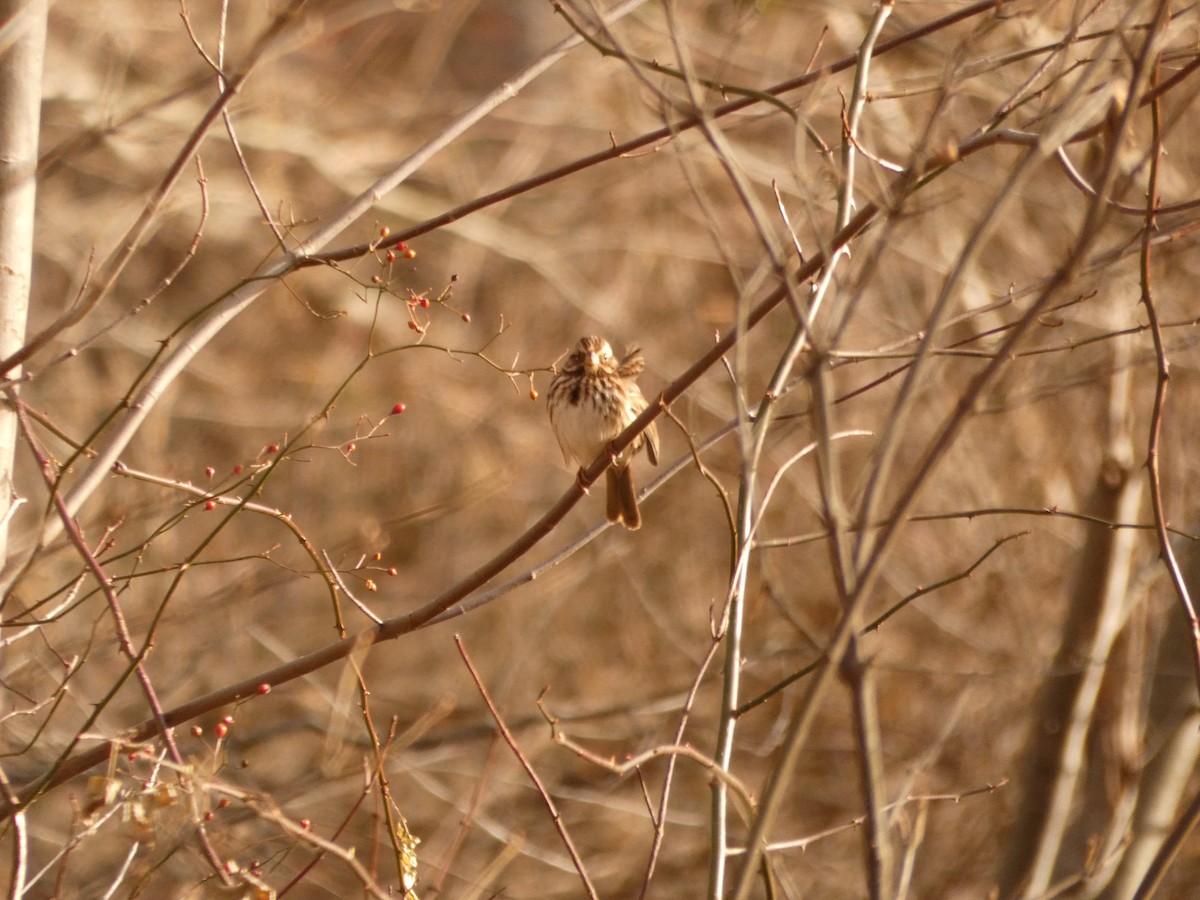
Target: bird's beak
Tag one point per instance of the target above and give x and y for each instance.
(591, 362)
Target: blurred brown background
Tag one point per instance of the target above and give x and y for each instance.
(657, 249)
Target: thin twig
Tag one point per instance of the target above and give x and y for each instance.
(969, 514)
(876, 841)
(660, 817)
(1169, 851)
(1163, 371)
(559, 824)
(804, 842)
(945, 582)
(635, 762)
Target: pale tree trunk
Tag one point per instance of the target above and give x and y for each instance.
(22, 47)
(1044, 846)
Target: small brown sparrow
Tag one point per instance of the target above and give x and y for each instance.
(593, 399)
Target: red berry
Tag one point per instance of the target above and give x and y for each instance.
(273, 448)
(533, 394)
(466, 317)
(197, 731)
(390, 256)
(306, 824)
(237, 470)
(210, 504)
(222, 729)
(392, 570)
(410, 253)
(351, 447)
(424, 303)
(264, 688)
(209, 471)
(228, 720)
(384, 231)
(209, 815)
(398, 408)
